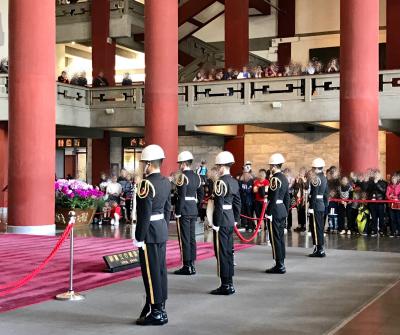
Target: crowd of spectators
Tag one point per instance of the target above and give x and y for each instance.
(342, 215)
(313, 67)
(80, 79)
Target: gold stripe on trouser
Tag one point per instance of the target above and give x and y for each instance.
(146, 257)
(217, 245)
(178, 226)
(315, 229)
(272, 239)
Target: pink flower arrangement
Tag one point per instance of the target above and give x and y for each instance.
(76, 194)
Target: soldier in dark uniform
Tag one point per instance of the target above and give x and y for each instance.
(190, 195)
(153, 213)
(277, 212)
(226, 215)
(319, 194)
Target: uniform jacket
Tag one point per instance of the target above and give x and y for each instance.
(154, 197)
(190, 186)
(226, 194)
(278, 196)
(319, 193)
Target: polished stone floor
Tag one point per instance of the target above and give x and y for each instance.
(355, 290)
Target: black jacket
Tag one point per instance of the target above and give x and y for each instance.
(319, 193)
(376, 191)
(190, 194)
(278, 196)
(154, 197)
(227, 202)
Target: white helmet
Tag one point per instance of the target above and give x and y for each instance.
(152, 152)
(276, 159)
(185, 156)
(224, 157)
(318, 163)
(247, 163)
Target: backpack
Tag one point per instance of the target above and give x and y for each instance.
(362, 218)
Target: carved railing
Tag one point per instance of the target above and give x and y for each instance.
(247, 91)
(81, 11)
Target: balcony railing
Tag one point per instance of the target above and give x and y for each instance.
(247, 91)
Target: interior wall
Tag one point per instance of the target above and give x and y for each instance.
(299, 149)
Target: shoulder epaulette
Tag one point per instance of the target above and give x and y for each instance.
(275, 183)
(220, 188)
(144, 189)
(182, 179)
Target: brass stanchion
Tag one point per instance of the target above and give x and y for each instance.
(71, 295)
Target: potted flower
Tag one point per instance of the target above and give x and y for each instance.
(79, 196)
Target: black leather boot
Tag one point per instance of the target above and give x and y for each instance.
(279, 268)
(155, 318)
(319, 253)
(192, 268)
(145, 311)
(185, 270)
(314, 252)
(164, 311)
(226, 287)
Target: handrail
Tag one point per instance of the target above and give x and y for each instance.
(304, 88)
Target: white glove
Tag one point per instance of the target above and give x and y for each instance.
(215, 228)
(311, 211)
(177, 216)
(269, 217)
(236, 224)
(138, 244)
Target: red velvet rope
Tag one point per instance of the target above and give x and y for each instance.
(365, 201)
(10, 287)
(260, 221)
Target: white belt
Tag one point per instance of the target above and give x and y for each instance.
(279, 202)
(226, 207)
(320, 196)
(156, 217)
(190, 199)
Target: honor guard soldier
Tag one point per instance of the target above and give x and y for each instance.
(319, 194)
(226, 215)
(190, 195)
(153, 213)
(277, 212)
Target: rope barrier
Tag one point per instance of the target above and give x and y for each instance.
(365, 201)
(10, 287)
(260, 221)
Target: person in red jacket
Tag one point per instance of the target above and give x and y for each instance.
(260, 190)
(115, 213)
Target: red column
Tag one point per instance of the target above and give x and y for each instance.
(359, 68)
(392, 34)
(236, 146)
(103, 53)
(100, 157)
(392, 153)
(236, 33)
(286, 28)
(161, 85)
(3, 163)
(32, 111)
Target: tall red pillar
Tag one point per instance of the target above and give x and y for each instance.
(32, 111)
(392, 34)
(236, 33)
(100, 157)
(359, 68)
(103, 48)
(161, 84)
(3, 163)
(286, 28)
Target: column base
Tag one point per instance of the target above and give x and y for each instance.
(33, 230)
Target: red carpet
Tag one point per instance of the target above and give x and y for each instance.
(20, 254)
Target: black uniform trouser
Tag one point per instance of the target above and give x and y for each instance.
(154, 272)
(276, 230)
(187, 237)
(378, 215)
(317, 223)
(223, 248)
